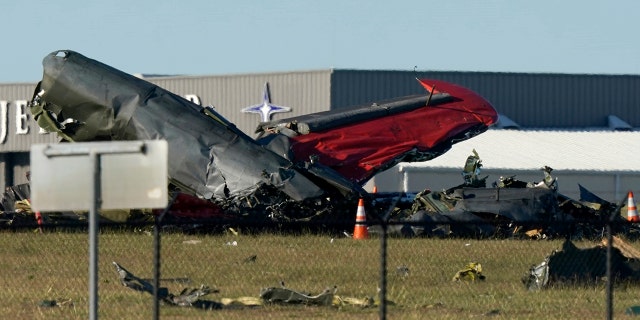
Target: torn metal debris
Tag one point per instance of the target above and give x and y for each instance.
(298, 169)
(289, 296)
(471, 272)
(188, 297)
(577, 266)
(192, 297)
(509, 208)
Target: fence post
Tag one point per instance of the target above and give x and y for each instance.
(383, 271)
(609, 283)
(156, 268)
(96, 204)
(157, 223)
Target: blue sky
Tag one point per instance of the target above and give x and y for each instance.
(241, 36)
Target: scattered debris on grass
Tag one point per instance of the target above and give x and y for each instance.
(574, 266)
(289, 296)
(188, 297)
(471, 272)
(192, 297)
(56, 303)
(402, 271)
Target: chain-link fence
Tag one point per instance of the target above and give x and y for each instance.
(223, 270)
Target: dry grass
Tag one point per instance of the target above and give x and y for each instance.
(37, 267)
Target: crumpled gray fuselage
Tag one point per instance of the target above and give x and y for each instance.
(207, 155)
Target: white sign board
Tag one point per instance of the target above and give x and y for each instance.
(132, 174)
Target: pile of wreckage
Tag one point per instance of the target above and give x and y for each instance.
(572, 266)
(305, 169)
(509, 208)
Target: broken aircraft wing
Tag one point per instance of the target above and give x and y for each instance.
(360, 141)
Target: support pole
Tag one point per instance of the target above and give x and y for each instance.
(156, 267)
(609, 272)
(383, 271)
(93, 236)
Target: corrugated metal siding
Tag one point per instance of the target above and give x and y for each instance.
(20, 165)
(11, 93)
(303, 92)
(555, 100)
(355, 87)
(14, 91)
(531, 100)
(5, 176)
(13, 168)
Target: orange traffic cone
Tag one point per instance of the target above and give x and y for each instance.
(375, 189)
(632, 212)
(360, 231)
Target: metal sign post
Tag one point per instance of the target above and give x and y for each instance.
(141, 164)
(93, 236)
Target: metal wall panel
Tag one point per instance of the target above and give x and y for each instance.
(20, 165)
(355, 87)
(303, 92)
(4, 173)
(531, 100)
(13, 168)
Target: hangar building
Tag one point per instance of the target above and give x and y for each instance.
(584, 126)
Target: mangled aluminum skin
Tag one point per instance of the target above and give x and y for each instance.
(211, 158)
(320, 160)
(509, 208)
(573, 266)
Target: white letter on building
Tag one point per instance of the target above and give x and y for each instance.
(22, 118)
(3, 121)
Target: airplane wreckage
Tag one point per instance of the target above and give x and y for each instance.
(305, 168)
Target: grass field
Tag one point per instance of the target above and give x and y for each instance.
(54, 266)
